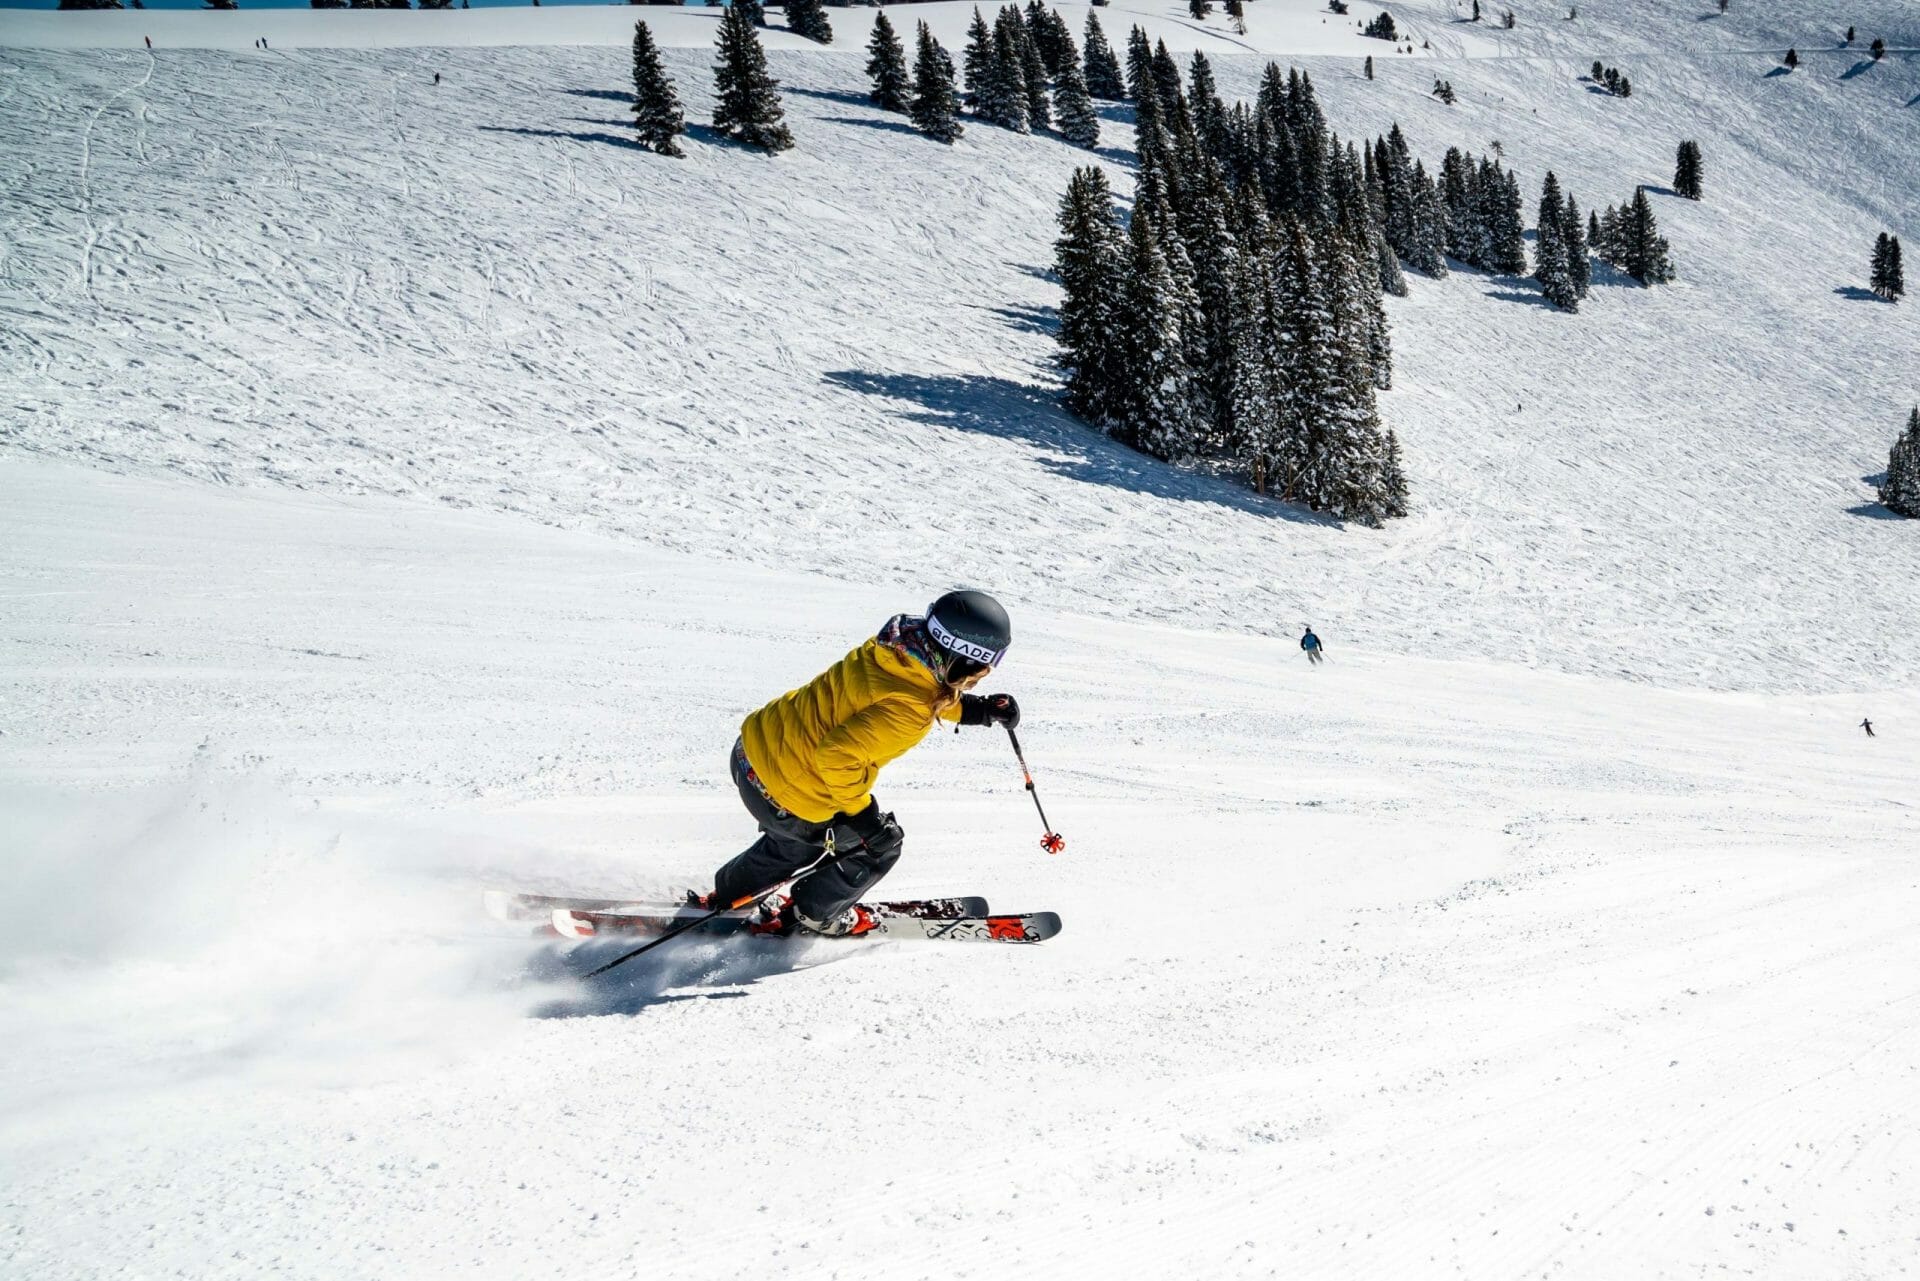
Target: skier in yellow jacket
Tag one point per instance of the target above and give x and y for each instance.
(805, 763)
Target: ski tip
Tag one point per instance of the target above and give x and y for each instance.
(1041, 925)
(572, 925)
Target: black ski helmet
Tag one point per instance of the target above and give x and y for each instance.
(970, 630)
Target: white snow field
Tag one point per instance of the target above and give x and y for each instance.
(406, 489)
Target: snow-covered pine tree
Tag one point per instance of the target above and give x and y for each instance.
(1033, 76)
(1429, 254)
(978, 58)
(1395, 161)
(1792, 59)
(1002, 96)
(756, 11)
(1166, 78)
(887, 67)
(1393, 478)
(1237, 13)
(1312, 146)
(1062, 39)
(935, 107)
(1687, 170)
(1209, 113)
(1643, 248)
(1139, 63)
(746, 98)
(1073, 112)
(1259, 394)
(1215, 252)
(1154, 400)
(1199, 9)
(1604, 236)
(1550, 248)
(657, 119)
(1103, 69)
(1573, 234)
(1040, 31)
(808, 18)
(1089, 258)
(1456, 201)
(1900, 492)
(1509, 230)
(1372, 309)
(1346, 476)
(1888, 277)
(1301, 324)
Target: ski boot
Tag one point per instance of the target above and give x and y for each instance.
(853, 921)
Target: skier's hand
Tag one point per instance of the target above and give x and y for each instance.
(992, 709)
(878, 832)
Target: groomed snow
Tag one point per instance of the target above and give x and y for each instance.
(1390, 968)
(407, 489)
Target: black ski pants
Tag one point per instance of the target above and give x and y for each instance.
(788, 843)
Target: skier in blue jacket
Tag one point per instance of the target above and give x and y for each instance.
(1311, 644)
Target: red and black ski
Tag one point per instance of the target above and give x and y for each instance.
(889, 923)
(539, 908)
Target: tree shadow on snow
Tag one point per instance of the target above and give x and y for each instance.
(571, 135)
(605, 95)
(1047, 274)
(687, 969)
(1032, 320)
(1018, 411)
(889, 126)
(1520, 296)
(1914, 101)
(1874, 511)
(1778, 71)
(1854, 293)
(1859, 68)
(844, 96)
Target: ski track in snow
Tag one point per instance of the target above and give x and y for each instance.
(428, 482)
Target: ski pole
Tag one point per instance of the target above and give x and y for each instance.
(1052, 842)
(695, 922)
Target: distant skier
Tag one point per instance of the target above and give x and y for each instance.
(436, 77)
(805, 763)
(1867, 725)
(1311, 644)
(149, 40)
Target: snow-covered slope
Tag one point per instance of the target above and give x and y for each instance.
(1389, 968)
(317, 268)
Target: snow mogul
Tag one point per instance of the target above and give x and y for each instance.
(805, 763)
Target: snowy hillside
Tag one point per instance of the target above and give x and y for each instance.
(317, 268)
(407, 488)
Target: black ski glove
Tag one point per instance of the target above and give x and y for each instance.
(878, 832)
(992, 709)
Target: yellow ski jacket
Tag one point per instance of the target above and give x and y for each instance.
(818, 749)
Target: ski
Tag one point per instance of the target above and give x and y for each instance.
(1025, 927)
(505, 905)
